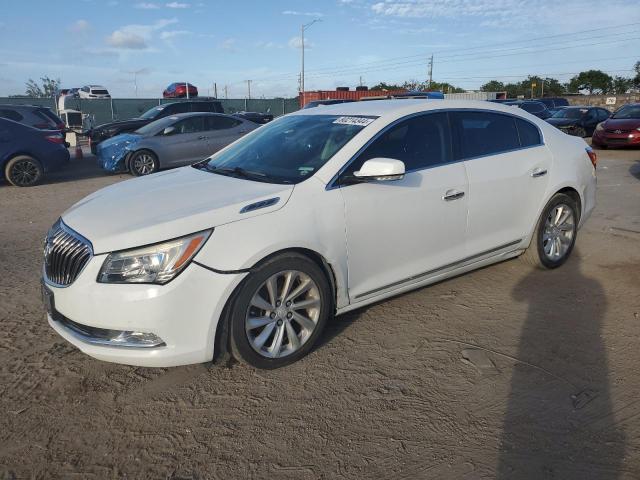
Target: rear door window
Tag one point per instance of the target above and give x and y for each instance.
(483, 133)
(215, 122)
(528, 133)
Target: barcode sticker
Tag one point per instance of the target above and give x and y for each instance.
(361, 121)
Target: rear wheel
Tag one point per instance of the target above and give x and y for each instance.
(555, 233)
(143, 162)
(279, 312)
(23, 171)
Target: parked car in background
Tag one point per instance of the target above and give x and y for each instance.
(554, 110)
(622, 129)
(553, 102)
(255, 117)
(108, 130)
(579, 121)
(171, 142)
(179, 90)
(28, 153)
(330, 101)
(269, 238)
(33, 116)
(532, 106)
(93, 92)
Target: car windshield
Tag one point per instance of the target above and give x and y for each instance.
(152, 113)
(532, 107)
(630, 111)
(288, 150)
(571, 113)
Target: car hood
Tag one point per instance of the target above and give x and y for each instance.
(562, 122)
(167, 205)
(622, 123)
(134, 122)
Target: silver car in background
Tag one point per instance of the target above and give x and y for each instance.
(170, 142)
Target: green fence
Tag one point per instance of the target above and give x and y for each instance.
(103, 111)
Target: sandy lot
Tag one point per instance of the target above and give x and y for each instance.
(502, 373)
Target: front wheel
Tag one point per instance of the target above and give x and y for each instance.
(23, 171)
(143, 163)
(279, 312)
(555, 233)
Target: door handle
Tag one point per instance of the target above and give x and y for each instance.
(452, 195)
(538, 172)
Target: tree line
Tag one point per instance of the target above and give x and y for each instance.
(590, 81)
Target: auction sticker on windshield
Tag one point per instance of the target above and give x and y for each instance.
(361, 121)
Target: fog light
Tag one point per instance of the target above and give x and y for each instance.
(136, 339)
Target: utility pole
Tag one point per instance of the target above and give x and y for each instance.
(542, 91)
(226, 96)
(360, 80)
(303, 27)
(186, 87)
(215, 90)
(249, 89)
(430, 73)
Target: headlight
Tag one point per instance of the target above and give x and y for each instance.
(159, 263)
(599, 127)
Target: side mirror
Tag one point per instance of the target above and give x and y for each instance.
(381, 169)
(169, 131)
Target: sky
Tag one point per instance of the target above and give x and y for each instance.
(119, 44)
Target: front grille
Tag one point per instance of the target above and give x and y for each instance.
(618, 131)
(65, 254)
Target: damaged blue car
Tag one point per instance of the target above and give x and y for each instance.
(170, 142)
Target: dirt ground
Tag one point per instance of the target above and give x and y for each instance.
(502, 373)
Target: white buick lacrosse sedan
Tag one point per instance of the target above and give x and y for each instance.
(317, 213)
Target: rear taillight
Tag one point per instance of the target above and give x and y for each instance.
(55, 139)
(61, 126)
(592, 156)
(42, 126)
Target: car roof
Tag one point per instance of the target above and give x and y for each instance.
(381, 108)
(10, 105)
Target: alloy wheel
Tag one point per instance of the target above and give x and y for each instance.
(144, 164)
(24, 173)
(283, 314)
(559, 229)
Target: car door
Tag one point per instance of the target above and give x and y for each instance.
(223, 130)
(507, 167)
(400, 232)
(186, 144)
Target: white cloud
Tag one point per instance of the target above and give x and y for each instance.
(136, 37)
(147, 6)
(448, 8)
(177, 5)
(229, 45)
(305, 14)
(126, 40)
(268, 44)
(79, 26)
(295, 42)
(173, 33)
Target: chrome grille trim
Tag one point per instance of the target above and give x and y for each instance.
(66, 253)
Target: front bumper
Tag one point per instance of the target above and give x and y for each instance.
(616, 140)
(184, 313)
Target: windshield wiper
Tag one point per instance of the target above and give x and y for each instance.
(240, 172)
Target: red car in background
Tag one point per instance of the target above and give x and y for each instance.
(622, 129)
(179, 90)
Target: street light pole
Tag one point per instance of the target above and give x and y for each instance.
(302, 29)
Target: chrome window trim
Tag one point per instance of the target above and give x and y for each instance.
(333, 182)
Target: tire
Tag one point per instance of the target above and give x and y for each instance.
(143, 162)
(579, 132)
(266, 334)
(23, 171)
(541, 253)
